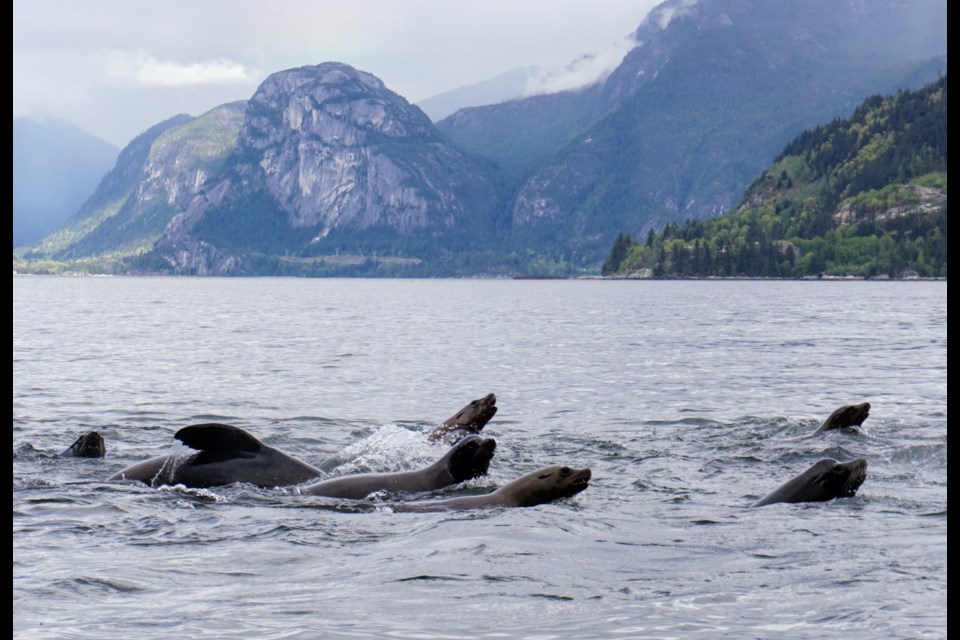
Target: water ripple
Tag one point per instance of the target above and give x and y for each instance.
(687, 400)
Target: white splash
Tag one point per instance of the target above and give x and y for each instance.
(200, 493)
(389, 448)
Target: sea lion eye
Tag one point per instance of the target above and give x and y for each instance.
(565, 471)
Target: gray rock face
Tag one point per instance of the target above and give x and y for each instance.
(182, 160)
(203, 259)
(309, 131)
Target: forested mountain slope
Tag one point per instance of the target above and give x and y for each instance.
(862, 196)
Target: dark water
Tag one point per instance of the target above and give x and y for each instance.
(688, 400)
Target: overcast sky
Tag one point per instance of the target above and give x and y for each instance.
(117, 67)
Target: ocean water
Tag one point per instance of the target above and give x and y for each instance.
(688, 401)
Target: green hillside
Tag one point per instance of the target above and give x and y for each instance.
(865, 196)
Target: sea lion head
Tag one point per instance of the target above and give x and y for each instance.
(471, 419)
(477, 414)
(89, 445)
(548, 484)
(470, 457)
(849, 415)
(839, 479)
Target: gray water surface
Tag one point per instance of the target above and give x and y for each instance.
(688, 400)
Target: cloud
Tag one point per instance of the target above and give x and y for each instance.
(665, 13)
(585, 70)
(144, 70)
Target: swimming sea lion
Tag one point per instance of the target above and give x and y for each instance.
(471, 419)
(89, 445)
(469, 458)
(539, 487)
(849, 415)
(825, 480)
(225, 454)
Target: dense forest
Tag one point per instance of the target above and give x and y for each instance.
(864, 196)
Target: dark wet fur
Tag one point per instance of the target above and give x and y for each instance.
(471, 419)
(89, 445)
(218, 442)
(825, 480)
(473, 459)
(846, 417)
(467, 459)
(542, 486)
(225, 454)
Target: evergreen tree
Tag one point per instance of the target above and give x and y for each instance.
(621, 248)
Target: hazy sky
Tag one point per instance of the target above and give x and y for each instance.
(117, 67)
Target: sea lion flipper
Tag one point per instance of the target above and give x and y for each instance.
(222, 439)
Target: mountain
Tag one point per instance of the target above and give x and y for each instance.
(155, 177)
(521, 134)
(581, 72)
(56, 166)
(322, 164)
(861, 196)
(506, 86)
(709, 96)
(325, 171)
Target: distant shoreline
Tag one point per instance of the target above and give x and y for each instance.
(482, 277)
(804, 279)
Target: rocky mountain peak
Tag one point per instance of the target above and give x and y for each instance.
(327, 158)
(331, 103)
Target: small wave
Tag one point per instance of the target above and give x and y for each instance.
(32, 482)
(552, 596)
(933, 454)
(214, 417)
(95, 585)
(682, 421)
(432, 578)
(203, 494)
(26, 450)
(313, 420)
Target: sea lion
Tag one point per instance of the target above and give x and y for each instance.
(469, 458)
(539, 487)
(225, 454)
(849, 415)
(89, 445)
(825, 480)
(471, 419)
